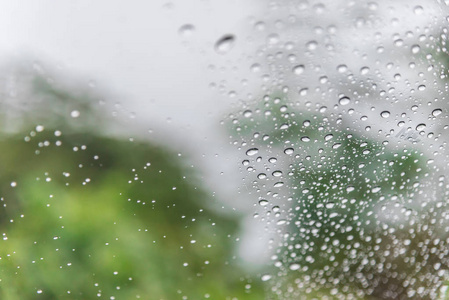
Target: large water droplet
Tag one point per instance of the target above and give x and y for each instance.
(385, 114)
(252, 151)
(299, 69)
(344, 100)
(263, 202)
(436, 112)
(225, 44)
(265, 277)
(421, 126)
(288, 151)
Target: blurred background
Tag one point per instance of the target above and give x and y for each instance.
(224, 150)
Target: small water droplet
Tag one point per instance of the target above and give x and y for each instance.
(385, 114)
(436, 112)
(344, 100)
(288, 151)
(294, 267)
(186, 30)
(75, 114)
(265, 277)
(376, 189)
(263, 202)
(305, 139)
(418, 10)
(298, 70)
(272, 160)
(252, 151)
(247, 113)
(328, 137)
(342, 68)
(281, 222)
(225, 44)
(421, 126)
(364, 70)
(415, 49)
(262, 176)
(312, 45)
(277, 173)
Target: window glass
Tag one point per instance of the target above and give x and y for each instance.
(224, 150)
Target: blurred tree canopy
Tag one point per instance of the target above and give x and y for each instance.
(85, 216)
(348, 209)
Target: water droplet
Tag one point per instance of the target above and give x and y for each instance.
(422, 87)
(277, 173)
(418, 10)
(225, 44)
(376, 189)
(421, 126)
(186, 30)
(39, 291)
(330, 205)
(262, 176)
(436, 112)
(252, 151)
(263, 202)
(350, 189)
(255, 68)
(364, 70)
(75, 114)
(272, 160)
(342, 68)
(385, 114)
(336, 145)
(281, 222)
(299, 69)
(265, 277)
(278, 184)
(415, 49)
(312, 45)
(247, 113)
(305, 139)
(294, 267)
(328, 137)
(288, 151)
(13, 184)
(344, 100)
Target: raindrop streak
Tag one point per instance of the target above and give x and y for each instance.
(252, 151)
(225, 44)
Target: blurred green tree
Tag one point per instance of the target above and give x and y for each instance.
(85, 216)
(347, 208)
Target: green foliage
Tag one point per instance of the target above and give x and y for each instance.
(351, 214)
(89, 217)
